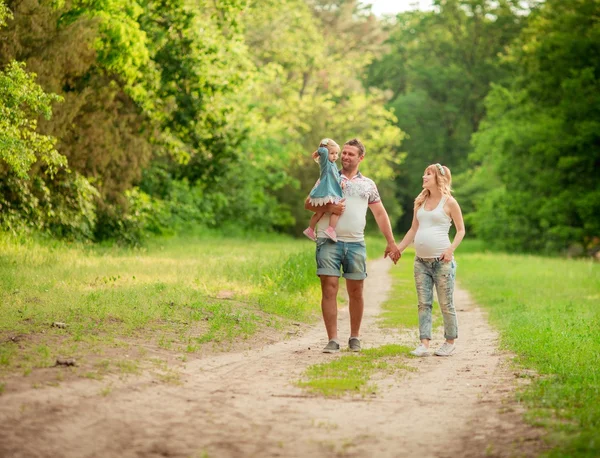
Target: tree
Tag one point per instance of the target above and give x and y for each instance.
(541, 135)
(316, 91)
(30, 165)
(438, 68)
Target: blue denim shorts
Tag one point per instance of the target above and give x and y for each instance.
(351, 257)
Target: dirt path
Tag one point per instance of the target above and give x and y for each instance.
(246, 405)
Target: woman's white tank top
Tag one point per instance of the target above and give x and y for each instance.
(432, 239)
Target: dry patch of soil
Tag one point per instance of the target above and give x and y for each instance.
(245, 404)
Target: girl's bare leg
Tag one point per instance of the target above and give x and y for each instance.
(310, 230)
(315, 219)
(333, 219)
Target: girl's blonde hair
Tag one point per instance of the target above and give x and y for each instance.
(443, 178)
(329, 144)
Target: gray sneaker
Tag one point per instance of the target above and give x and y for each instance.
(421, 350)
(445, 350)
(332, 347)
(354, 344)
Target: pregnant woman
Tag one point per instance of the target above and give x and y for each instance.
(434, 211)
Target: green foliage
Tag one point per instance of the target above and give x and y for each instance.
(318, 93)
(222, 100)
(201, 66)
(62, 206)
(21, 101)
(37, 190)
(121, 47)
(438, 69)
(4, 13)
(540, 136)
(97, 126)
(547, 314)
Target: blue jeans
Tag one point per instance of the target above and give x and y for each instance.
(351, 257)
(430, 272)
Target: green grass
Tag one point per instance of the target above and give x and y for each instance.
(375, 246)
(178, 293)
(353, 373)
(400, 310)
(547, 311)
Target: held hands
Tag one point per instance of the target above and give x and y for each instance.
(447, 255)
(393, 252)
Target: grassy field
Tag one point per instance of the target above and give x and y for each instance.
(178, 294)
(181, 295)
(184, 294)
(548, 313)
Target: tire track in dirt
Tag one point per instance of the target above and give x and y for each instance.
(246, 404)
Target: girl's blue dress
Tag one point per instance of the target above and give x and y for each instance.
(328, 188)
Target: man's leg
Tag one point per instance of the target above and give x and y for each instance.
(329, 290)
(357, 305)
(355, 272)
(329, 255)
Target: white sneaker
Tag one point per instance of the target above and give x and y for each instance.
(421, 350)
(445, 350)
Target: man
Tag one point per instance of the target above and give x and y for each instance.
(349, 252)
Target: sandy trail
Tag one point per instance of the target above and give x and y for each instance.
(246, 405)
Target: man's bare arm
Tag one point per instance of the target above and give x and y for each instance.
(385, 226)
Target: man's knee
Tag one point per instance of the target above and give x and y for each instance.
(329, 286)
(354, 288)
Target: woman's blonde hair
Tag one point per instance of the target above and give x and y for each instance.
(443, 178)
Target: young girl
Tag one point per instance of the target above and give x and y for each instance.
(435, 210)
(328, 188)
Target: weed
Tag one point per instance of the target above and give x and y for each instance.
(352, 373)
(106, 391)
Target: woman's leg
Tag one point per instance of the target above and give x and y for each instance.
(444, 278)
(424, 285)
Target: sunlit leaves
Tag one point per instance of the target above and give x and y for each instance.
(21, 101)
(541, 135)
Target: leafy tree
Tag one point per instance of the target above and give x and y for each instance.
(438, 68)
(91, 54)
(541, 135)
(202, 63)
(316, 91)
(21, 101)
(205, 111)
(30, 166)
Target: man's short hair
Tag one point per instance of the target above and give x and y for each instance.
(356, 142)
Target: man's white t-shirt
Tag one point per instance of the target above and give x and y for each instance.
(359, 193)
